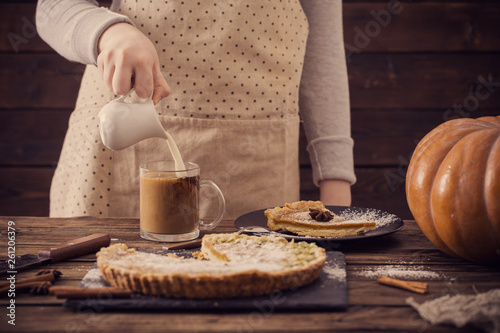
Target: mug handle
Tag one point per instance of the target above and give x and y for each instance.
(222, 205)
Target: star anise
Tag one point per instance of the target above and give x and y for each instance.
(320, 215)
(55, 272)
(41, 288)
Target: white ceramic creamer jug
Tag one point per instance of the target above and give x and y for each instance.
(122, 124)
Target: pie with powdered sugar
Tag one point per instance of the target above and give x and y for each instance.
(234, 266)
(313, 219)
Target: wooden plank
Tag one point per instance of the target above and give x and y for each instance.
(361, 293)
(39, 81)
(31, 231)
(389, 137)
(17, 24)
(382, 137)
(386, 137)
(432, 81)
(406, 247)
(32, 137)
(355, 319)
(25, 191)
(31, 234)
(398, 81)
(369, 26)
(442, 27)
(33, 125)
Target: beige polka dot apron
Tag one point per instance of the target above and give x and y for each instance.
(234, 69)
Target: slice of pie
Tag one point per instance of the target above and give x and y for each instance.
(237, 265)
(313, 219)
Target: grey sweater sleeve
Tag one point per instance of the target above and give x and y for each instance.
(324, 93)
(73, 27)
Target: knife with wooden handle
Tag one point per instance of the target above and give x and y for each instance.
(59, 252)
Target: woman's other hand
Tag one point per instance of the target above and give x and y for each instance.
(335, 192)
(127, 58)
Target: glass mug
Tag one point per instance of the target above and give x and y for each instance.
(169, 202)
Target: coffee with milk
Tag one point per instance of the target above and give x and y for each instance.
(169, 191)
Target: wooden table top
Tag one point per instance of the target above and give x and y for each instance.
(371, 306)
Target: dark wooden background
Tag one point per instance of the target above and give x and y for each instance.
(408, 73)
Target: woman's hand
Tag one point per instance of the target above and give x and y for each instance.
(127, 58)
(335, 192)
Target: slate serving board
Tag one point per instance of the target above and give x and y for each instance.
(327, 293)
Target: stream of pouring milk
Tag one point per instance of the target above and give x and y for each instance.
(176, 154)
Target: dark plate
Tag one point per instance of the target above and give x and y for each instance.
(386, 223)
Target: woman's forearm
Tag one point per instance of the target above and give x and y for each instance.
(324, 93)
(73, 27)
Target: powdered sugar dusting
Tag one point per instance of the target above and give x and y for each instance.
(93, 274)
(370, 214)
(335, 272)
(253, 253)
(415, 272)
(141, 261)
(93, 279)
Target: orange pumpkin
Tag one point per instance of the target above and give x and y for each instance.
(453, 188)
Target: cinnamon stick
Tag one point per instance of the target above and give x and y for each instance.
(41, 284)
(417, 287)
(59, 289)
(21, 286)
(38, 278)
